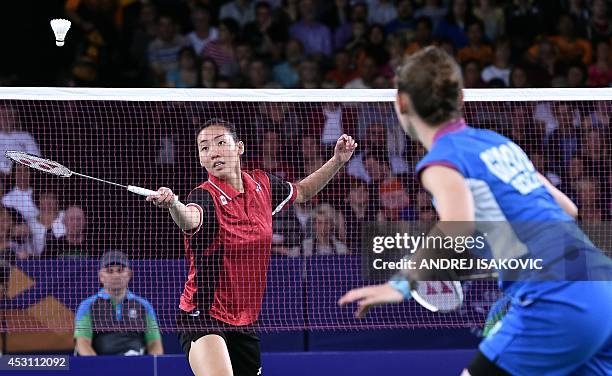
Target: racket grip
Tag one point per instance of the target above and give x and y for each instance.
(141, 191)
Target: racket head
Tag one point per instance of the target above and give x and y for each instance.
(38, 163)
(438, 296)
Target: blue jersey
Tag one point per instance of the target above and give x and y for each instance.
(524, 221)
(501, 177)
(512, 206)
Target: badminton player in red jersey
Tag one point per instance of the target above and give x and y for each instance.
(227, 224)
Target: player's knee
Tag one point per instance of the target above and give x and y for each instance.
(209, 356)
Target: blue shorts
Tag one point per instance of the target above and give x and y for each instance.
(563, 331)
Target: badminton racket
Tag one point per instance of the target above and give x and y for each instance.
(54, 168)
(443, 296)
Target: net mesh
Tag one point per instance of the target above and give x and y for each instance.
(55, 230)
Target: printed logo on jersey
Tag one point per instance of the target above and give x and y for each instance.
(132, 313)
(509, 163)
(223, 200)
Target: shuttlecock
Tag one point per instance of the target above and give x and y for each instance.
(60, 27)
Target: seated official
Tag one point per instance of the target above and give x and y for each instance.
(115, 321)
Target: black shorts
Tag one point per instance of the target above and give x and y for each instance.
(482, 366)
(242, 343)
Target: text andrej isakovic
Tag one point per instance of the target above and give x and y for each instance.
(458, 244)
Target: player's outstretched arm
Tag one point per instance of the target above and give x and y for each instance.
(371, 296)
(454, 204)
(313, 183)
(562, 200)
(186, 217)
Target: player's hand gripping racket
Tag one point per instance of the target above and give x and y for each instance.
(54, 168)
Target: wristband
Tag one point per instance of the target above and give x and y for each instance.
(402, 286)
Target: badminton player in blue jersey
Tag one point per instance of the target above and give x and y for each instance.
(558, 326)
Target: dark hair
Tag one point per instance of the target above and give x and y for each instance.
(262, 4)
(381, 28)
(450, 15)
(425, 20)
(201, 9)
(231, 24)
(501, 42)
(497, 83)
(215, 66)
(379, 156)
(38, 195)
(169, 16)
(187, 49)
(231, 128)
(525, 70)
(477, 22)
(471, 61)
(432, 79)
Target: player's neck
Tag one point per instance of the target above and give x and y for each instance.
(235, 180)
(426, 135)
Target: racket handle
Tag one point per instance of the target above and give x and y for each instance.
(141, 191)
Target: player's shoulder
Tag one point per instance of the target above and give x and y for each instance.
(201, 195)
(258, 175)
(264, 178)
(470, 140)
(201, 190)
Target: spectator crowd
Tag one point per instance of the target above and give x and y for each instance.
(42, 216)
(299, 44)
(332, 44)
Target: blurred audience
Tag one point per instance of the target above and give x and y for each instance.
(492, 16)
(186, 74)
(137, 43)
(49, 225)
(476, 49)
(336, 44)
(164, 50)
(327, 227)
(21, 197)
(12, 137)
(203, 31)
(600, 72)
(76, 241)
(314, 36)
(8, 248)
(500, 67)
(222, 50)
(357, 209)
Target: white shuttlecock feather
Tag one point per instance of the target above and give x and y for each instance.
(60, 27)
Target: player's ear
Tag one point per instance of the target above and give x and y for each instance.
(403, 103)
(240, 146)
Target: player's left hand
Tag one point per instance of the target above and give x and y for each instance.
(345, 146)
(371, 296)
